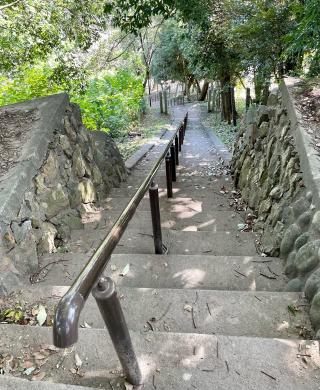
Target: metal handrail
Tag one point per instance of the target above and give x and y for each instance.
(65, 329)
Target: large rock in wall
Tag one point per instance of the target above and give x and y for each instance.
(59, 169)
(277, 170)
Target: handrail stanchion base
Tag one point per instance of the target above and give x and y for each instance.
(176, 148)
(169, 176)
(173, 162)
(156, 220)
(108, 302)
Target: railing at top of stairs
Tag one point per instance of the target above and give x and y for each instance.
(65, 328)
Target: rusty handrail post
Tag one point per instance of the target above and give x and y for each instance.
(156, 220)
(109, 305)
(173, 162)
(176, 148)
(169, 176)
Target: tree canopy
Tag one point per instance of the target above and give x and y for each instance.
(76, 45)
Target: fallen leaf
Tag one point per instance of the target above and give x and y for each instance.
(27, 364)
(29, 370)
(85, 325)
(42, 315)
(38, 356)
(188, 308)
(125, 270)
(39, 376)
(128, 386)
(78, 361)
(49, 347)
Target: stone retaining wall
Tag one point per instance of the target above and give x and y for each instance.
(276, 168)
(60, 171)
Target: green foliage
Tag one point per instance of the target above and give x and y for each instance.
(32, 30)
(132, 15)
(169, 62)
(306, 37)
(28, 84)
(111, 103)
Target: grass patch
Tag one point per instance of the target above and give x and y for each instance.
(227, 133)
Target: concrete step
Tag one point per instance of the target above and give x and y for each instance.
(232, 313)
(11, 383)
(196, 192)
(183, 181)
(176, 361)
(219, 220)
(189, 243)
(240, 273)
(135, 241)
(178, 204)
(177, 271)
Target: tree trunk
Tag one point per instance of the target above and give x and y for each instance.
(226, 110)
(204, 91)
(198, 86)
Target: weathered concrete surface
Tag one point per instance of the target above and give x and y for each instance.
(238, 273)
(235, 313)
(309, 157)
(217, 243)
(198, 360)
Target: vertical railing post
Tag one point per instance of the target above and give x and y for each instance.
(180, 138)
(176, 148)
(108, 302)
(156, 220)
(161, 102)
(169, 176)
(173, 162)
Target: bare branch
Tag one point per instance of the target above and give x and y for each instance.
(9, 5)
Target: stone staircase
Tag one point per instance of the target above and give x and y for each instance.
(210, 314)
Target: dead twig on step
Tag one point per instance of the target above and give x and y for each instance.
(272, 272)
(150, 325)
(240, 273)
(197, 297)
(165, 313)
(34, 278)
(267, 276)
(193, 319)
(270, 376)
(208, 307)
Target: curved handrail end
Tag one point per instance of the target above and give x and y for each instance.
(65, 327)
